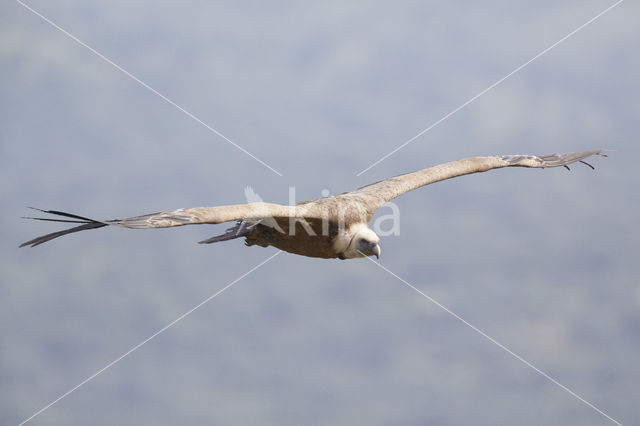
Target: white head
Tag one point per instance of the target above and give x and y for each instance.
(363, 243)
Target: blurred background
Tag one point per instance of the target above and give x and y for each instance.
(544, 261)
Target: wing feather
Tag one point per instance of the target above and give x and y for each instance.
(180, 217)
(207, 215)
(378, 193)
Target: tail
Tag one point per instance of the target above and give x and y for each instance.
(86, 224)
(242, 229)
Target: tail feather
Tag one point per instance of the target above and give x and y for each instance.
(241, 229)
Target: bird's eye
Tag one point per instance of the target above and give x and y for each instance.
(364, 244)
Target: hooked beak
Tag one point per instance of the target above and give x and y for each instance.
(376, 250)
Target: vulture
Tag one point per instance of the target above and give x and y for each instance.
(328, 227)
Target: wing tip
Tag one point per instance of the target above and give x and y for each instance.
(85, 223)
(566, 158)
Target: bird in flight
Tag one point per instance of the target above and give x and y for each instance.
(328, 227)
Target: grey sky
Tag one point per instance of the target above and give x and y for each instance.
(544, 261)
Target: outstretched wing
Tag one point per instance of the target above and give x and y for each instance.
(189, 216)
(376, 194)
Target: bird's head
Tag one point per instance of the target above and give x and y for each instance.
(364, 243)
